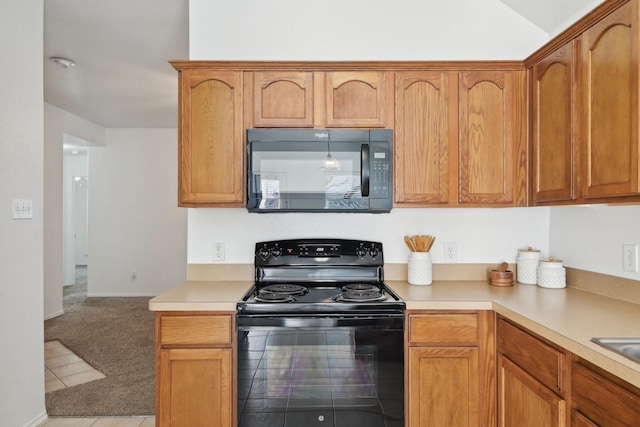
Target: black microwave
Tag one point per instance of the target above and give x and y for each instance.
(319, 170)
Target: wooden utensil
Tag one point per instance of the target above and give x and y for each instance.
(409, 243)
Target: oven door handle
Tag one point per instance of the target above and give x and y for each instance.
(376, 322)
(365, 170)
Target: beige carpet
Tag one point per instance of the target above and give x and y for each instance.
(115, 336)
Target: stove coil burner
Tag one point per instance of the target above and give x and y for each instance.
(266, 297)
(360, 287)
(280, 293)
(284, 288)
(361, 296)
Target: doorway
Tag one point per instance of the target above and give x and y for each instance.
(75, 209)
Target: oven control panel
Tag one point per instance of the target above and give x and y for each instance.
(320, 251)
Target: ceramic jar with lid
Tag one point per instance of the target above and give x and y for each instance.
(552, 274)
(527, 266)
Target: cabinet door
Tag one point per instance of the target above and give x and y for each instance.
(424, 136)
(602, 401)
(211, 138)
(356, 98)
(552, 126)
(524, 402)
(609, 131)
(195, 388)
(443, 386)
(491, 138)
(283, 99)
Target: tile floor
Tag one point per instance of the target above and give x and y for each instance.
(63, 369)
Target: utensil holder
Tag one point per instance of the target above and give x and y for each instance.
(420, 268)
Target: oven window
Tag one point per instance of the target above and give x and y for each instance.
(320, 377)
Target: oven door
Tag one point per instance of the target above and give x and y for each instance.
(309, 371)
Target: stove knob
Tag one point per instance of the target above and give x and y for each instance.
(276, 251)
(374, 252)
(361, 252)
(264, 253)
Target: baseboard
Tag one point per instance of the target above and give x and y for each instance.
(52, 315)
(38, 420)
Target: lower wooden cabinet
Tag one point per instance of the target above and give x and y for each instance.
(195, 388)
(195, 385)
(450, 371)
(532, 377)
(525, 402)
(600, 400)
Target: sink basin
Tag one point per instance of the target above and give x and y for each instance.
(627, 347)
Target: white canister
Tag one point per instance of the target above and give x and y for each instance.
(552, 274)
(527, 266)
(420, 268)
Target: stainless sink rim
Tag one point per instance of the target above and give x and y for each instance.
(619, 345)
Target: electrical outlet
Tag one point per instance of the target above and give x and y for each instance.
(218, 251)
(630, 258)
(450, 252)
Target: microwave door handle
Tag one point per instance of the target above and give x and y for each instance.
(364, 169)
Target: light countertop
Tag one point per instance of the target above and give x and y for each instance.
(569, 317)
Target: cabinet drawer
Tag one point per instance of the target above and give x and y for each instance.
(543, 362)
(444, 328)
(602, 401)
(211, 330)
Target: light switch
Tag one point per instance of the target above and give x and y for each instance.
(22, 209)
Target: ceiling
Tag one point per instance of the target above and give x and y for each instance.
(121, 47)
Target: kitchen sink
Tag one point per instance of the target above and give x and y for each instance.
(627, 347)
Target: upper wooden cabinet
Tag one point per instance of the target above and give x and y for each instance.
(460, 139)
(609, 98)
(424, 136)
(356, 98)
(492, 138)
(331, 99)
(211, 141)
(584, 111)
(283, 99)
(553, 166)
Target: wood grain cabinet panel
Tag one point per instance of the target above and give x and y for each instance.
(602, 401)
(356, 98)
(491, 138)
(424, 136)
(443, 386)
(524, 402)
(532, 377)
(554, 154)
(545, 363)
(609, 91)
(450, 368)
(195, 388)
(211, 150)
(195, 384)
(283, 99)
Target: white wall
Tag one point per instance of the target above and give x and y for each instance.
(21, 241)
(134, 221)
(359, 30)
(58, 125)
(591, 237)
(482, 235)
